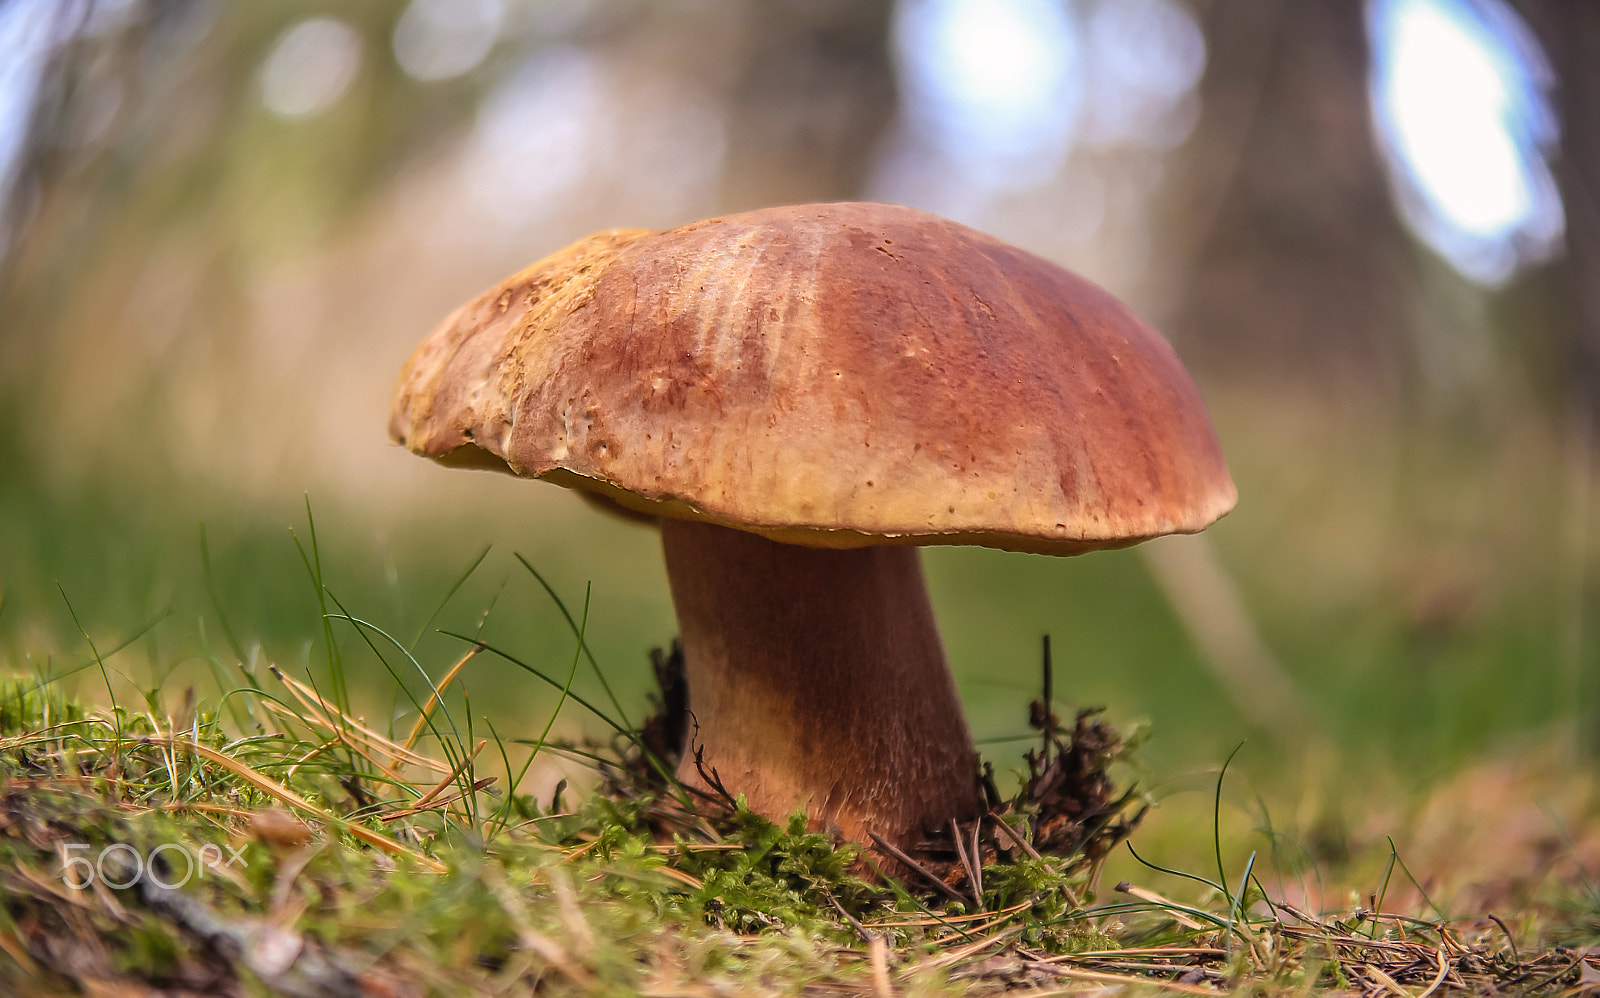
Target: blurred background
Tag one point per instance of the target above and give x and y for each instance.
(1370, 230)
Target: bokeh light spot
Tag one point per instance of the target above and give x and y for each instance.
(441, 39)
(1145, 58)
(28, 34)
(993, 83)
(1458, 100)
(310, 67)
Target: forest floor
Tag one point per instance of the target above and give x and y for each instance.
(281, 846)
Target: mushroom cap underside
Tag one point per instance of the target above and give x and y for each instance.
(832, 375)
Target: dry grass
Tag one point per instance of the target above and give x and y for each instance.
(346, 862)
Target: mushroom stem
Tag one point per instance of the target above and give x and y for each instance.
(817, 680)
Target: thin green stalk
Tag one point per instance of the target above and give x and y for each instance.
(599, 673)
(501, 815)
(141, 632)
(596, 711)
(1409, 876)
(1234, 909)
(631, 735)
(448, 596)
(313, 563)
(1176, 873)
(220, 676)
(216, 597)
(566, 689)
(116, 711)
(1216, 822)
(363, 626)
(1383, 891)
(464, 779)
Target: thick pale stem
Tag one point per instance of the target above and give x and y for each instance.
(818, 681)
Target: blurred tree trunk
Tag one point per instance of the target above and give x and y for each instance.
(1295, 259)
(814, 95)
(1569, 31)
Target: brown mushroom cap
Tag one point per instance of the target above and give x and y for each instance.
(833, 375)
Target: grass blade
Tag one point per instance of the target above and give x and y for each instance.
(519, 663)
(562, 606)
(116, 712)
(1234, 908)
(313, 563)
(216, 597)
(1216, 822)
(448, 596)
(566, 689)
(144, 629)
(362, 627)
(1176, 873)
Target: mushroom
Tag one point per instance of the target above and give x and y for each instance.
(802, 396)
